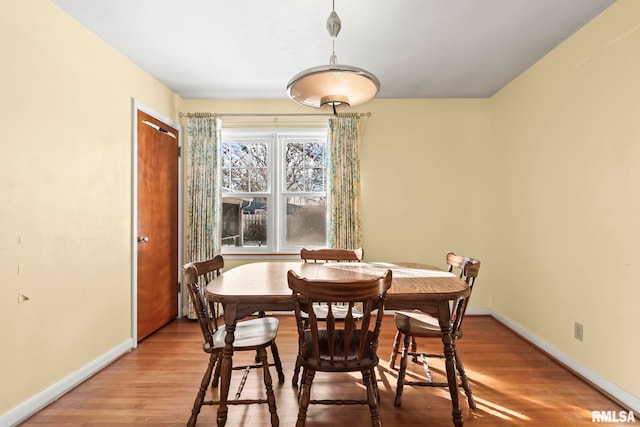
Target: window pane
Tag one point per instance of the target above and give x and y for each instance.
(306, 222)
(239, 180)
(244, 166)
(258, 179)
(226, 155)
(231, 221)
(244, 221)
(316, 179)
(294, 158)
(305, 166)
(315, 154)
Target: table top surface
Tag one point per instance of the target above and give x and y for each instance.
(269, 280)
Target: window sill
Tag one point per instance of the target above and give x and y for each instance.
(261, 256)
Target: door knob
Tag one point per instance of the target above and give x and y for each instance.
(143, 239)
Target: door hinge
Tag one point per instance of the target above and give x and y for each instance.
(179, 151)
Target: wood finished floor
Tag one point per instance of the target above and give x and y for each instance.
(514, 385)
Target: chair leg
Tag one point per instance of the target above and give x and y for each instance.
(268, 383)
(296, 371)
(304, 396)
(277, 362)
(375, 384)
(449, 345)
(260, 314)
(204, 385)
(368, 376)
(394, 349)
(414, 350)
(402, 371)
(216, 372)
(463, 379)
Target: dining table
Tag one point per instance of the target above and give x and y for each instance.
(262, 286)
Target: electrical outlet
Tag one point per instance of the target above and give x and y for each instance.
(578, 331)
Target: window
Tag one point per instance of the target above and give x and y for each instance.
(273, 190)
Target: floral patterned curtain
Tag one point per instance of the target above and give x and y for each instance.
(343, 182)
(203, 194)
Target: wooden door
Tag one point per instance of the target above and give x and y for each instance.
(157, 234)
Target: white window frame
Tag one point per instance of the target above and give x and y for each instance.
(275, 194)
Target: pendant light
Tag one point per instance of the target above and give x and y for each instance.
(333, 87)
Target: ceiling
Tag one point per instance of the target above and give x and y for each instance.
(241, 49)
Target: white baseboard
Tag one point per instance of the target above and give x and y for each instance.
(479, 311)
(623, 396)
(42, 399)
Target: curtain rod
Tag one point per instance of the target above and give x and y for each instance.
(190, 115)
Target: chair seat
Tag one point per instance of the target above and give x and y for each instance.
(417, 323)
(249, 334)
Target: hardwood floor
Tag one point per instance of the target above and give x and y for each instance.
(514, 384)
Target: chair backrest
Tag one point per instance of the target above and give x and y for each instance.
(345, 344)
(468, 271)
(455, 261)
(330, 254)
(209, 269)
(196, 276)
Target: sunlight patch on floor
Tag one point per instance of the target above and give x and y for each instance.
(499, 410)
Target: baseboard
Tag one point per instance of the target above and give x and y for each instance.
(621, 396)
(479, 311)
(42, 399)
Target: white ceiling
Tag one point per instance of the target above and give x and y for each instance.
(251, 48)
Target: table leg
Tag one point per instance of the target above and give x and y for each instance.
(227, 362)
(444, 318)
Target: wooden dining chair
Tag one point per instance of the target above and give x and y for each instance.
(346, 346)
(207, 271)
(250, 335)
(416, 324)
(339, 310)
(454, 262)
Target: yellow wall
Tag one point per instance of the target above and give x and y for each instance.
(65, 195)
(568, 130)
(427, 181)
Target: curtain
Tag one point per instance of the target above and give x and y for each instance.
(343, 182)
(203, 195)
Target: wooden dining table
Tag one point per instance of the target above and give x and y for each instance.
(262, 286)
